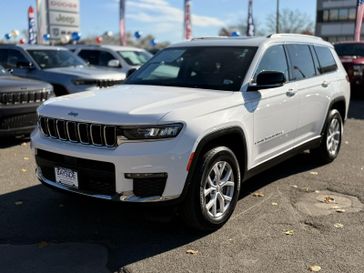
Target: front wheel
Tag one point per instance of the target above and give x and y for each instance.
(332, 137)
(214, 191)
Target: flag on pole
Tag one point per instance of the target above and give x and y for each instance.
(42, 23)
(123, 40)
(359, 19)
(31, 26)
(187, 20)
(250, 30)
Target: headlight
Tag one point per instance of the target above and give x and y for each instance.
(149, 132)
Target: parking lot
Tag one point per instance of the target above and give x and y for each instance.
(296, 217)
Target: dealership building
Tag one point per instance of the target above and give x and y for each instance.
(335, 20)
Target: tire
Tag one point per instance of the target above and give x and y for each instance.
(331, 138)
(213, 194)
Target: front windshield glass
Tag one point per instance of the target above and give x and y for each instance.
(2, 71)
(350, 49)
(135, 57)
(51, 58)
(219, 68)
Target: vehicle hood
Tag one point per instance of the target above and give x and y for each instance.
(13, 83)
(134, 104)
(88, 72)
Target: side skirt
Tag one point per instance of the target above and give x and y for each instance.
(283, 157)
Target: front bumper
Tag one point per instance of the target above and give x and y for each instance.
(167, 156)
(17, 119)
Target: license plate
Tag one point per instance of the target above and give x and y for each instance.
(66, 177)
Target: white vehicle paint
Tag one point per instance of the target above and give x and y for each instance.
(271, 122)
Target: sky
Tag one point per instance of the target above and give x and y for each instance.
(161, 18)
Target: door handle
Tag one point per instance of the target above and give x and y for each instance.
(291, 92)
(325, 84)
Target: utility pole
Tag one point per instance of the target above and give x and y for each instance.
(277, 18)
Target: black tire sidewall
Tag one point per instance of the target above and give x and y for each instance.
(333, 114)
(209, 160)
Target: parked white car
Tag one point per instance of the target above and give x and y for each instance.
(195, 122)
(122, 58)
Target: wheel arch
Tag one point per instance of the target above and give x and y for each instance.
(232, 137)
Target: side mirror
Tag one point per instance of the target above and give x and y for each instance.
(131, 71)
(24, 65)
(113, 63)
(268, 79)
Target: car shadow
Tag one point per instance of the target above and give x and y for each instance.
(130, 233)
(7, 142)
(356, 110)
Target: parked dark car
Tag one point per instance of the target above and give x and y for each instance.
(352, 57)
(19, 99)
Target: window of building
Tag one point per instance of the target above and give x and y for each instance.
(326, 15)
(334, 14)
(343, 14)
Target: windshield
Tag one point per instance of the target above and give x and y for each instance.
(51, 58)
(2, 71)
(219, 68)
(350, 49)
(135, 57)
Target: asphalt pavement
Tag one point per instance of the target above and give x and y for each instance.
(297, 217)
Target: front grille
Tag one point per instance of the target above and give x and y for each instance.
(79, 132)
(18, 121)
(23, 97)
(94, 177)
(147, 187)
(107, 83)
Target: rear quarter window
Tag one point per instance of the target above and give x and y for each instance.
(326, 59)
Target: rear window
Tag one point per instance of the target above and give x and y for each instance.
(350, 49)
(326, 60)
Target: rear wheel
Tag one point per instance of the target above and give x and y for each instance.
(214, 191)
(332, 137)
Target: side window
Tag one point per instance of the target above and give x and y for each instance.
(105, 57)
(10, 57)
(326, 60)
(90, 56)
(301, 62)
(274, 59)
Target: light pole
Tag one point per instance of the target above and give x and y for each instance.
(277, 18)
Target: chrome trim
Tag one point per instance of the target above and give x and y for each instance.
(79, 133)
(120, 197)
(57, 129)
(92, 138)
(68, 131)
(105, 138)
(49, 131)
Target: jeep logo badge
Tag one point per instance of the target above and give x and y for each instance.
(73, 114)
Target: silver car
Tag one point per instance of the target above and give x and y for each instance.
(123, 58)
(57, 66)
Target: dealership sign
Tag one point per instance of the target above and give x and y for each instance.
(59, 18)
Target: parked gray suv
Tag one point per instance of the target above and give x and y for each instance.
(57, 66)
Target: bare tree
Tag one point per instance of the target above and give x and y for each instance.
(241, 28)
(290, 21)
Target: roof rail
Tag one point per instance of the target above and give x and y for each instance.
(218, 38)
(278, 35)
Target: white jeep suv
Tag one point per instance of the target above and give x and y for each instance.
(195, 122)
